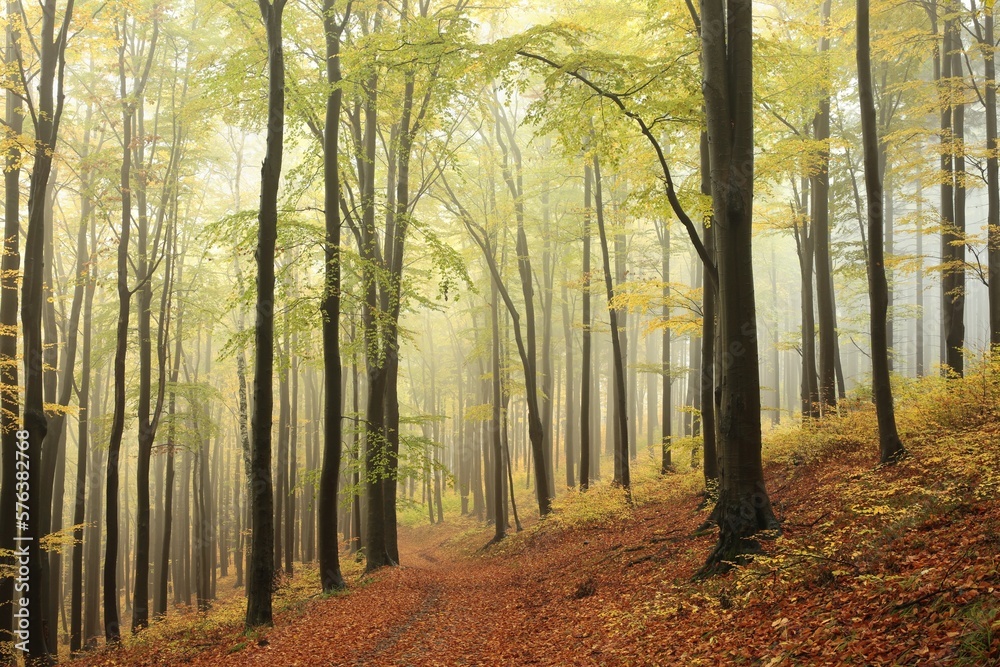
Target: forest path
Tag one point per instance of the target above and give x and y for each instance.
(446, 606)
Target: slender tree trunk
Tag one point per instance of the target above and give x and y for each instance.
(499, 504)
(86, 276)
(292, 460)
(889, 222)
(622, 473)
(709, 333)
(955, 315)
(536, 429)
(149, 419)
(810, 389)
(666, 462)
(548, 266)
(920, 282)
(92, 561)
(569, 437)
(163, 571)
(281, 484)
(585, 382)
(890, 447)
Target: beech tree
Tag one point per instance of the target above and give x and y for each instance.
(890, 446)
(261, 569)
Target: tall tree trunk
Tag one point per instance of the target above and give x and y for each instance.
(87, 278)
(821, 234)
(536, 429)
(743, 507)
(54, 444)
(92, 561)
(585, 382)
(129, 101)
(329, 551)
(10, 266)
(292, 462)
(805, 238)
(920, 282)
(46, 113)
(376, 553)
(499, 504)
(163, 564)
(942, 75)
(57, 426)
(890, 447)
(709, 334)
(203, 524)
(987, 43)
(261, 573)
(889, 223)
(149, 418)
(666, 461)
(569, 437)
(955, 315)
(548, 266)
(281, 484)
(622, 473)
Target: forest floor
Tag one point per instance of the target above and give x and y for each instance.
(875, 566)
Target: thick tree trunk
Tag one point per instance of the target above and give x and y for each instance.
(329, 551)
(821, 236)
(986, 45)
(942, 76)
(48, 110)
(743, 507)
(261, 573)
(10, 266)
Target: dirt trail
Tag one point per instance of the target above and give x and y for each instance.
(443, 608)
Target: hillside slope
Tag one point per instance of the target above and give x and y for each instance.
(875, 566)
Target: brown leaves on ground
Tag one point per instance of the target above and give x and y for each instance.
(876, 566)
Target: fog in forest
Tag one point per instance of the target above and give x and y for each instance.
(287, 285)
